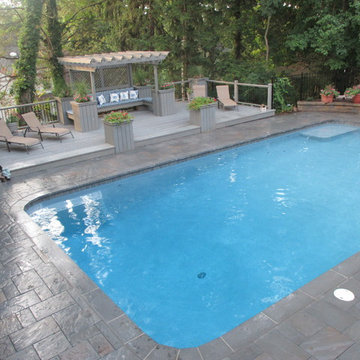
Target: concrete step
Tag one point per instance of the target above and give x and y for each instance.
(71, 157)
(167, 135)
(244, 119)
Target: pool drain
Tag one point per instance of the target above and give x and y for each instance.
(344, 294)
(201, 275)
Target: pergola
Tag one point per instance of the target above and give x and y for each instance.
(110, 70)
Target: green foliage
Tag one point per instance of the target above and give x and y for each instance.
(118, 117)
(54, 47)
(24, 86)
(329, 90)
(81, 92)
(282, 88)
(355, 90)
(200, 101)
(62, 90)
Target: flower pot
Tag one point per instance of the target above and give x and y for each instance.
(204, 117)
(120, 135)
(326, 99)
(356, 99)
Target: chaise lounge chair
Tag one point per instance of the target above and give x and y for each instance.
(7, 137)
(224, 97)
(33, 124)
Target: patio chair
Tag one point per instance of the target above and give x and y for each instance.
(224, 97)
(33, 124)
(199, 90)
(7, 137)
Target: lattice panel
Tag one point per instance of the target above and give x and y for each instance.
(108, 78)
(81, 76)
(116, 77)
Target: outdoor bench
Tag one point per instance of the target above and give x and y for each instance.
(118, 99)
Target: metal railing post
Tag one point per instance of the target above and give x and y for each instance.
(269, 97)
(236, 91)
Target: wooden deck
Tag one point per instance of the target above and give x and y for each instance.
(148, 129)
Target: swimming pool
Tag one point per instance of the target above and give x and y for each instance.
(201, 246)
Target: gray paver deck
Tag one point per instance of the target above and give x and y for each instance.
(49, 309)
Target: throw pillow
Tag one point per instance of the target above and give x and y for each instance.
(124, 95)
(101, 99)
(134, 94)
(114, 97)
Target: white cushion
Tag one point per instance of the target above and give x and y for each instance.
(134, 94)
(114, 97)
(124, 95)
(101, 99)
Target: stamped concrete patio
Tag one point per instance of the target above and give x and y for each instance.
(49, 309)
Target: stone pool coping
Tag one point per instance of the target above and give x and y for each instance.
(291, 328)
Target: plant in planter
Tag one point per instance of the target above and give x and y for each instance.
(167, 86)
(118, 117)
(119, 131)
(199, 102)
(84, 109)
(327, 94)
(202, 112)
(353, 93)
(81, 92)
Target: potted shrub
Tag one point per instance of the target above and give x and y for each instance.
(354, 93)
(327, 94)
(84, 109)
(118, 127)
(202, 112)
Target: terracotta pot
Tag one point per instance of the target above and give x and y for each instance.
(356, 99)
(326, 99)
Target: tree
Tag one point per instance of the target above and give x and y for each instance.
(329, 32)
(24, 85)
(54, 47)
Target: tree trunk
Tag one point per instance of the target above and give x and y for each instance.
(54, 46)
(266, 38)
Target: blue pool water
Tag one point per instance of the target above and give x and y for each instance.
(192, 250)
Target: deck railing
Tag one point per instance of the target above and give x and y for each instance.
(252, 94)
(46, 111)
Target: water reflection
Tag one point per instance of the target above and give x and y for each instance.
(47, 219)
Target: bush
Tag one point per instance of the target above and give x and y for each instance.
(281, 91)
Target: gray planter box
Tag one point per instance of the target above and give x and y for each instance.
(205, 117)
(164, 102)
(85, 116)
(144, 91)
(63, 105)
(120, 135)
